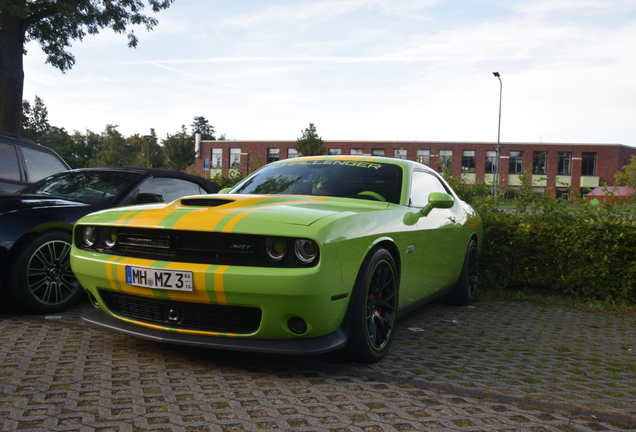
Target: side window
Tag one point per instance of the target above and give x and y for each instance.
(9, 168)
(170, 188)
(422, 185)
(40, 164)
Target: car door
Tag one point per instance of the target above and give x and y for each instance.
(436, 256)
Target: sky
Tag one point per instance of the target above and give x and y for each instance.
(389, 70)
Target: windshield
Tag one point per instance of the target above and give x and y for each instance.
(92, 187)
(329, 177)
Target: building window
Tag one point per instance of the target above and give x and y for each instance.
(335, 151)
(468, 161)
(216, 158)
(292, 153)
(564, 163)
(356, 151)
(273, 154)
(399, 153)
(423, 157)
(445, 161)
(539, 160)
(491, 162)
(378, 152)
(516, 162)
(588, 166)
(235, 157)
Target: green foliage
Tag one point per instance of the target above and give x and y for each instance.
(203, 126)
(148, 153)
(234, 176)
(54, 24)
(310, 144)
(627, 177)
(113, 151)
(557, 248)
(35, 121)
(179, 150)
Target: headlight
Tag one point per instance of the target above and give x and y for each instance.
(89, 236)
(109, 237)
(305, 250)
(275, 248)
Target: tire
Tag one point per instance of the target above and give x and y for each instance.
(373, 311)
(463, 292)
(40, 279)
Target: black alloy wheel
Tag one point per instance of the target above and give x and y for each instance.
(374, 308)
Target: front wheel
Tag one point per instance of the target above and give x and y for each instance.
(373, 308)
(40, 279)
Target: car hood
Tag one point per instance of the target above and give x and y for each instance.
(10, 202)
(218, 212)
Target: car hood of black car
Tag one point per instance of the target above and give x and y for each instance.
(15, 202)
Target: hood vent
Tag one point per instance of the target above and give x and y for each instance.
(205, 202)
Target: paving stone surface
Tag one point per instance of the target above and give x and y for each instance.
(497, 366)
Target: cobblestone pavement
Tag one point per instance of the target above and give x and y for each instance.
(496, 366)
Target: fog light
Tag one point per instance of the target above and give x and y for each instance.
(297, 325)
(92, 299)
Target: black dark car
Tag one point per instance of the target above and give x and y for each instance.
(23, 162)
(36, 224)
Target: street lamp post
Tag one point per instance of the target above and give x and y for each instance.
(498, 136)
(148, 138)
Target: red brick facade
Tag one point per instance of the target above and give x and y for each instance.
(581, 165)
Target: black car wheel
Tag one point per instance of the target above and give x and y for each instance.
(374, 308)
(40, 277)
(463, 293)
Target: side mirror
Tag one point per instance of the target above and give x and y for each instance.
(145, 198)
(435, 200)
(224, 191)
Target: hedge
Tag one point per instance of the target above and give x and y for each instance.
(548, 245)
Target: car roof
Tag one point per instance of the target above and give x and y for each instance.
(24, 142)
(157, 172)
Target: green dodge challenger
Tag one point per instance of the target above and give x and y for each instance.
(304, 256)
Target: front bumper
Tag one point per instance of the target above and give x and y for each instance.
(301, 346)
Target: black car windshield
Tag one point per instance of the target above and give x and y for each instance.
(327, 177)
(93, 187)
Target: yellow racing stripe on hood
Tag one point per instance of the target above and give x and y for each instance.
(236, 219)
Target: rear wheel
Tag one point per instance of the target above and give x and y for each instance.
(463, 292)
(373, 308)
(40, 279)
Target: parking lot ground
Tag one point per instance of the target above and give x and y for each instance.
(497, 366)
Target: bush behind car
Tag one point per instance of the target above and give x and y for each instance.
(552, 246)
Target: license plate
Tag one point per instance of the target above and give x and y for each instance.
(177, 280)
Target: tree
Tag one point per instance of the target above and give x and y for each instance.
(627, 177)
(114, 151)
(203, 126)
(310, 144)
(35, 120)
(148, 152)
(179, 150)
(54, 24)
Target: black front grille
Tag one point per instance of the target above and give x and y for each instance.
(183, 315)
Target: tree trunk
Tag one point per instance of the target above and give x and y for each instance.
(11, 72)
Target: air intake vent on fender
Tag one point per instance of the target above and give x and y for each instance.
(205, 202)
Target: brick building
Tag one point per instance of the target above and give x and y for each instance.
(557, 168)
